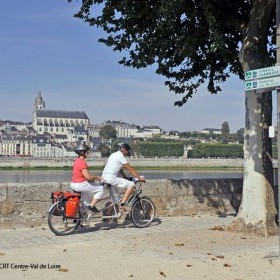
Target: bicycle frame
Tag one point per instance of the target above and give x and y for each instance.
(116, 214)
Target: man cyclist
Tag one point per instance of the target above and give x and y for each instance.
(114, 175)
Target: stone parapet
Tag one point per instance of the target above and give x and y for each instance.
(25, 205)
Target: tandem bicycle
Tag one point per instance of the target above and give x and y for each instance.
(141, 210)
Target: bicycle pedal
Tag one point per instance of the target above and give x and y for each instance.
(119, 214)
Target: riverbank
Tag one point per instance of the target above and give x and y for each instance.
(147, 163)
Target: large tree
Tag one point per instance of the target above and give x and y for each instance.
(192, 42)
(225, 132)
(108, 132)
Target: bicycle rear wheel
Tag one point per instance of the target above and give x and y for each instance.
(142, 212)
(59, 224)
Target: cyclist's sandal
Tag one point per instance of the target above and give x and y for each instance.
(75, 221)
(93, 209)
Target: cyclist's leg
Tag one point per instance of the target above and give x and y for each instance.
(128, 186)
(87, 189)
(127, 194)
(85, 194)
(123, 184)
(97, 191)
(113, 182)
(116, 195)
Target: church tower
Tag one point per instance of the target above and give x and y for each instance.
(39, 102)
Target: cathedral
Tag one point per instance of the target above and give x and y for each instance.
(62, 125)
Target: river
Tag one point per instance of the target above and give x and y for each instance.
(38, 176)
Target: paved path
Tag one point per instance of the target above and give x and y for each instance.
(172, 248)
(28, 237)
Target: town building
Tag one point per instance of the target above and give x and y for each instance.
(125, 130)
(155, 130)
(73, 125)
(11, 145)
(55, 133)
(30, 146)
(43, 147)
(211, 130)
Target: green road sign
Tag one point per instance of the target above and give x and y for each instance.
(262, 73)
(268, 83)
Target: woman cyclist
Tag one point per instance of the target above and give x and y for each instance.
(83, 181)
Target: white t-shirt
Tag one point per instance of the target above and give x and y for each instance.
(114, 165)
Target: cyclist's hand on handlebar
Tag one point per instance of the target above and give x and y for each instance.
(99, 178)
(142, 179)
(103, 181)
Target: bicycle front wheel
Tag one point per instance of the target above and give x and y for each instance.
(142, 212)
(59, 224)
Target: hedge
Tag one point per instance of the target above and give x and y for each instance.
(216, 151)
(199, 150)
(158, 149)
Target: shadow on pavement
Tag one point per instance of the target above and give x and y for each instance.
(105, 225)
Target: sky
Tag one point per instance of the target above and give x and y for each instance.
(43, 48)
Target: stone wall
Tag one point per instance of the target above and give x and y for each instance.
(190, 197)
(25, 205)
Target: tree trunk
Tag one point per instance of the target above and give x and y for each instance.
(257, 212)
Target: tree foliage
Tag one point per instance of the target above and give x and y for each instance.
(108, 132)
(225, 132)
(104, 150)
(189, 41)
(240, 135)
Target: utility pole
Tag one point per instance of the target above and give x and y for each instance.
(278, 107)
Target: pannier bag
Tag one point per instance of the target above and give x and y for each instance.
(72, 204)
(55, 196)
(68, 203)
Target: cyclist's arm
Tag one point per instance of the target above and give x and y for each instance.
(122, 174)
(90, 177)
(133, 172)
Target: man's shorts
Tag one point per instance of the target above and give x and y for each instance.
(120, 182)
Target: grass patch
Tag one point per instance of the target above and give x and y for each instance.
(188, 168)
